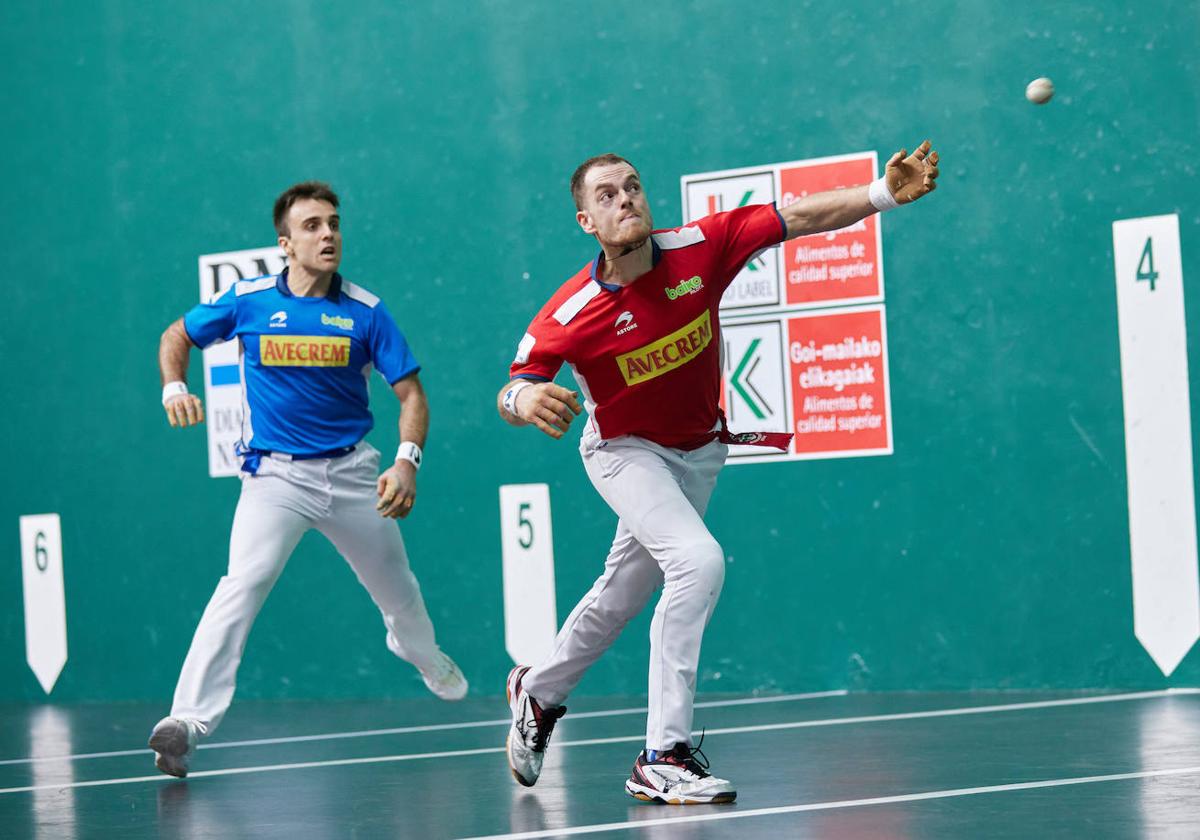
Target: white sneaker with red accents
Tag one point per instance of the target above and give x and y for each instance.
(678, 778)
(531, 728)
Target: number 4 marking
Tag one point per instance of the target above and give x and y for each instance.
(1145, 269)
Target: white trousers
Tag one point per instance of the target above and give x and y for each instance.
(277, 506)
(660, 495)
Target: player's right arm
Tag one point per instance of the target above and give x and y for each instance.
(548, 406)
(209, 322)
(531, 397)
(183, 409)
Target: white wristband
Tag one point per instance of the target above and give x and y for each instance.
(510, 397)
(409, 451)
(881, 196)
(174, 389)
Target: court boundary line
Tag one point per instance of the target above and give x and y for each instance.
(430, 727)
(382, 759)
(839, 804)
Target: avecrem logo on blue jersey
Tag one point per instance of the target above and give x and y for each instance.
(304, 350)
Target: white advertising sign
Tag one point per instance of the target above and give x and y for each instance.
(222, 373)
(715, 192)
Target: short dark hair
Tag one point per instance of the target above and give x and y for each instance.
(581, 171)
(305, 189)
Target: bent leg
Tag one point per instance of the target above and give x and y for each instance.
(266, 527)
(375, 551)
(661, 494)
(629, 579)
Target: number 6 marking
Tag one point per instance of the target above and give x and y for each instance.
(41, 556)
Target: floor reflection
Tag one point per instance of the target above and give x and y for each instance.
(54, 809)
(1168, 737)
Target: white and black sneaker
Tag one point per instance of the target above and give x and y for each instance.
(531, 728)
(173, 741)
(678, 777)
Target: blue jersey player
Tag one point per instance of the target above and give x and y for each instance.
(308, 340)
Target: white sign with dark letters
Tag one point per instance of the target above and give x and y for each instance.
(222, 361)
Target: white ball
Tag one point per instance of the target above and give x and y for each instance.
(1039, 91)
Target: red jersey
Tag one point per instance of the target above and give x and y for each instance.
(647, 356)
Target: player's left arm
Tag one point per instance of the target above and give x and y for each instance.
(397, 486)
(907, 178)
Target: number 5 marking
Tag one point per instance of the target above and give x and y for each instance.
(522, 522)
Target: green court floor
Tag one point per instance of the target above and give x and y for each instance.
(835, 765)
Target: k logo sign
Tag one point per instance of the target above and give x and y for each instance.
(754, 392)
(709, 193)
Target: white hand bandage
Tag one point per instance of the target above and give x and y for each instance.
(174, 389)
(881, 196)
(510, 397)
(409, 451)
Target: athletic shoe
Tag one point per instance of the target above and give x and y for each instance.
(445, 679)
(678, 777)
(531, 728)
(173, 741)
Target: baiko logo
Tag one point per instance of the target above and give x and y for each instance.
(337, 321)
(685, 287)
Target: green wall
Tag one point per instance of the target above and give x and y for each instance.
(991, 550)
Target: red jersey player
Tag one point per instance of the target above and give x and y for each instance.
(639, 327)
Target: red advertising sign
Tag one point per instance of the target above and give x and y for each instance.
(838, 372)
(791, 361)
(840, 264)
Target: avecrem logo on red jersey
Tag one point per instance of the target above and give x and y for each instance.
(686, 287)
(304, 350)
(667, 353)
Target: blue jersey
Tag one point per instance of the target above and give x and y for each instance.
(304, 360)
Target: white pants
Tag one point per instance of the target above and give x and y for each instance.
(660, 495)
(277, 506)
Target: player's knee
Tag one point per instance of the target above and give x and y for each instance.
(246, 586)
(707, 561)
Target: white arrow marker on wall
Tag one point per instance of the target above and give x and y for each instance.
(527, 549)
(45, 604)
(1158, 437)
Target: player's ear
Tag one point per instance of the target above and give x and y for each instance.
(285, 245)
(585, 221)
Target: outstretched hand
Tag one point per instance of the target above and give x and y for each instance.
(911, 176)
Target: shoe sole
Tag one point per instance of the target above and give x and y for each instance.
(649, 795)
(170, 745)
(166, 764)
(172, 741)
(512, 769)
(449, 697)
